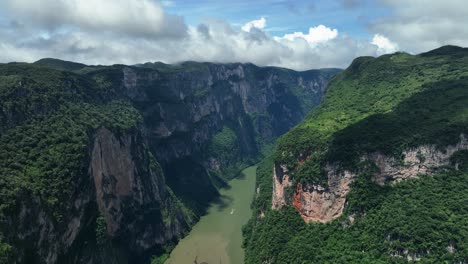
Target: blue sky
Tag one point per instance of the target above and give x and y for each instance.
(295, 34)
(284, 16)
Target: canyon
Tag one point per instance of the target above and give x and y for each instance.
(149, 147)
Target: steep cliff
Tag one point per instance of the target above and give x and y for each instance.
(114, 164)
(139, 210)
(325, 203)
(207, 121)
(386, 124)
(78, 182)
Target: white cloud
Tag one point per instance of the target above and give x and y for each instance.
(135, 31)
(215, 41)
(85, 35)
(384, 44)
(422, 25)
(167, 3)
(144, 18)
(318, 34)
(260, 24)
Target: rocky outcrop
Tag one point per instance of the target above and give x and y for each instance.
(423, 160)
(281, 182)
(130, 186)
(315, 203)
(113, 170)
(323, 204)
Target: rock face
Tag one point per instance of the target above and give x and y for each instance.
(314, 202)
(422, 160)
(146, 173)
(319, 204)
(113, 171)
(281, 181)
(128, 187)
(185, 106)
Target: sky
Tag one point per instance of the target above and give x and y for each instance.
(300, 35)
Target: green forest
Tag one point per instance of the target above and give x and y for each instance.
(49, 118)
(387, 104)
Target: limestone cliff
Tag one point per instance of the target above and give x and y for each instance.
(126, 186)
(325, 203)
(110, 164)
(189, 104)
(187, 107)
(130, 186)
(381, 161)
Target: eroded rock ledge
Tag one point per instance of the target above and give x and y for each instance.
(319, 204)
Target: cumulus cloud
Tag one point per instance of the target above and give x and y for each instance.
(214, 41)
(317, 34)
(136, 31)
(259, 23)
(384, 44)
(421, 25)
(143, 18)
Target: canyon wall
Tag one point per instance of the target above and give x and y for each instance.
(118, 162)
(324, 203)
(190, 109)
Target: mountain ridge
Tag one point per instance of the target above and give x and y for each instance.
(384, 124)
(109, 164)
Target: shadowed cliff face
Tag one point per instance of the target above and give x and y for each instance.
(190, 109)
(193, 102)
(126, 187)
(131, 194)
(111, 164)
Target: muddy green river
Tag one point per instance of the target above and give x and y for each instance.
(217, 237)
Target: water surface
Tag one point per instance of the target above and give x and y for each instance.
(217, 237)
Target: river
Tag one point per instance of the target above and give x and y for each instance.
(217, 237)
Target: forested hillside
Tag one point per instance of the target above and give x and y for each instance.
(375, 174)
(114, 164)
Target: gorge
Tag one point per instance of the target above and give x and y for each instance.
(116, 164)
(107, 164)
(233, 132)
(376, 173)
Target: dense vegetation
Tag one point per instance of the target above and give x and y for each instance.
(368, 87)
(438, 115)
(224, 149)
(386, 104)
(192, 116)
(46, 122)
(424, 217)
